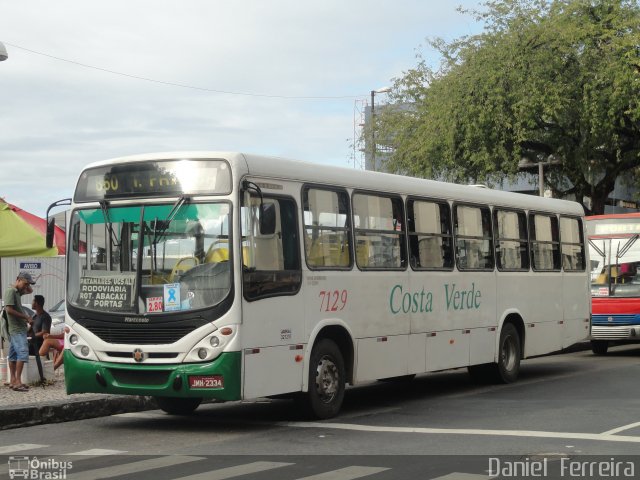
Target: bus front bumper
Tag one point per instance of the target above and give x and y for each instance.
(219, 379)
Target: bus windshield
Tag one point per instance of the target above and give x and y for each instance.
(614, 266)
(150, 258)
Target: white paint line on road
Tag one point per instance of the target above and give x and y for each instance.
(98, 452)
(131, 468)
(600, 437)
(621, 429)
(144, 415)
(238, 470)
(461, 476)
(20, 447)
(347, 473)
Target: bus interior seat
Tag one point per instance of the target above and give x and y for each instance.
(215, 255)
(268, 252)
(430, 253)
(362, 252)
(181, 266)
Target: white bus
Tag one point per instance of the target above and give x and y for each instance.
(199, 275)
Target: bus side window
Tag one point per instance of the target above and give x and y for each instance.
(327, 229)
(545, 244)
(474, 238)
(430, 241)
(572, 241)
(379, 230)
(512, 252)
(271, 261)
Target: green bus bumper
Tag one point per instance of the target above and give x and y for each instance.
(167, 380)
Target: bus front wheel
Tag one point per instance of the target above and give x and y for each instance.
(178, 406)
(326, 380)
(599, 347)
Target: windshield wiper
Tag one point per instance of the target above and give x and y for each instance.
(158, 234)
(104, 206)
(625, 248)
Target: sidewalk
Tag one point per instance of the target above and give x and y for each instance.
(51, 404)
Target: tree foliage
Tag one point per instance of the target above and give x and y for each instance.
(545, 80)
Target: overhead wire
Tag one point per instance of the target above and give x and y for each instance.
(182, 85)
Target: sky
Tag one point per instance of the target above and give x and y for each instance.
(221, 76)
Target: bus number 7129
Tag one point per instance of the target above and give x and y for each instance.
(333, 300)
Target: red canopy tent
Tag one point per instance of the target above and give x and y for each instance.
(40, 226)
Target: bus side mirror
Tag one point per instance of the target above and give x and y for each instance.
(51, 228)
(267, 218)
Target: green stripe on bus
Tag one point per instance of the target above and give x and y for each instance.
(158, 380)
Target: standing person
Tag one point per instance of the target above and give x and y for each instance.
(41, 326)
(18, 322)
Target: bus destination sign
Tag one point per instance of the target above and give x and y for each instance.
(156, 178)
(107, 292)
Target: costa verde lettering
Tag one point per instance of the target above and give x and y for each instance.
(461, 300)
(401, 301)
(413, 302)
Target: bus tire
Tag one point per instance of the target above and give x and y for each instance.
(507, 368)
(509, 354)
(599, 347)
(326, 380)
(178, 406)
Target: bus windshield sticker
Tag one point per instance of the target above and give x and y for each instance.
(154, 304)
(171, 297)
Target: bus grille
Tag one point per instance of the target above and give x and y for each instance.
(140, 377)
(615, 319)
(140, 335)
(611, 333)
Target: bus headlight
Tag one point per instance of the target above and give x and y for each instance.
(211, 346)
(78, 346)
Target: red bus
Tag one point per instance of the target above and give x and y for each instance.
(614, 254)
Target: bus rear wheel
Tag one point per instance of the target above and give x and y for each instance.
(599, 347)
(326, 380)
(507, 368)
(178, 406)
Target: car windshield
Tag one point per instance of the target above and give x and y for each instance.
(58, 307)
(149, 259)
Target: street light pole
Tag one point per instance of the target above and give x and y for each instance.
(373, 125)
(541, 179)
(526, 164)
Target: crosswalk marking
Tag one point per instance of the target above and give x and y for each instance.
(144, 415)
(19, 448)
(347, 473)
(98, 452)
(129, 468)
(462, 476)
(230, 472)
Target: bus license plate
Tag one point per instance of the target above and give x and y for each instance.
(206, 381)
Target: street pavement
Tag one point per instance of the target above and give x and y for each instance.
(51, 404)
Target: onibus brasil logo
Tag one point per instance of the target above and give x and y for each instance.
(33, 468)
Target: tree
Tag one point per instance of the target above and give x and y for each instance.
(546, 80)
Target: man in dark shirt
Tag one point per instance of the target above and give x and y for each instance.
(41, 325)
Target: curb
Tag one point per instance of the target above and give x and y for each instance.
(66, 411)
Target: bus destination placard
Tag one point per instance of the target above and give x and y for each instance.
(114, 292)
